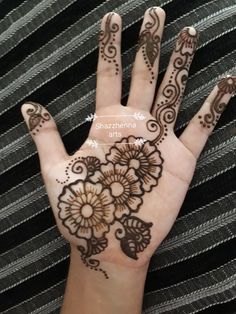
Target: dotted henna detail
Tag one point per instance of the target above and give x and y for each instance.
(37, 117)
(80, 165)
(107, 39)
(149, 42)
(165, 111)
(226, 86)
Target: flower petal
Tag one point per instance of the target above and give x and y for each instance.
(68, 195)
(105, 197)
(78, 187)
(64, 211)
(93, 188)
(148, 149)
(121, 209)
(84, 233)
(71, 225)
(114, 155)
(134, 202)
(108, 213)
(120, 169)
(100, 229)
(131, 176)
(154, 171)
(148, 182)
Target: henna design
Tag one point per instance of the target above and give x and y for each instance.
(37, 117)
(166, 111)
(108, 193)
(226, 86)
(134, 237)
(149, 41)
(81, 165)
(107, 40)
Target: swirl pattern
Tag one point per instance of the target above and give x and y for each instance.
(107, 42)
(165, 112)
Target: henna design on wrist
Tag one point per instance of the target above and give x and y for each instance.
(108, 193)
(37, 117)
(166, 111)
(226, 86)
(107, 39)
(149, 41)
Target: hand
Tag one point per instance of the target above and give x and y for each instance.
(117, 198)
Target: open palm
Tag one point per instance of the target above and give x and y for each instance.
(118, 196)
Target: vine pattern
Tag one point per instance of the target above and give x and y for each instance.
(108, 193)
(149, 42)
(165, 111)
(226, 86)
(107, 39)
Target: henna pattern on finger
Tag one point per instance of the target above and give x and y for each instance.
(149, 41)
(107, 42)
(226, 86)
(107, 193)
(37, 117)
(165, 111)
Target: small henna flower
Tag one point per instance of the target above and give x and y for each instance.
(86, 209)
(187, 40)
(124, 185)
(144, 159)
(227, 85)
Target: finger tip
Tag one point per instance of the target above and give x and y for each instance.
(158, 10)
(115, 17)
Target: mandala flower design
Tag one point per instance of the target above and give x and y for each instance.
(144, 159)
(124, 186)
(86, 209)
(187, 40)
(227, 85)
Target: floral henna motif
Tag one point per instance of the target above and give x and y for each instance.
(108, 193)
(149, 41)
(226, 86)
(37, 117)
(144, 159)
(86, 209)
(166, 111)
(107, 39)
(124, 185)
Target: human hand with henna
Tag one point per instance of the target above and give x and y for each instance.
(117, 197)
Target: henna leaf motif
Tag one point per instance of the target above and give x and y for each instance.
(152, 51)
(135, 237)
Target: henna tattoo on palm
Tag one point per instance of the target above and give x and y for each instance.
(226, 86)
(107, 40)
(166, 110)
(149, 41)
(108, 193)
(37, 117)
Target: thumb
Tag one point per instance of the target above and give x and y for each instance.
(44, 132)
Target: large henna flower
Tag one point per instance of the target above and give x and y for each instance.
(86, 209)
(145, 159)
(124, 185)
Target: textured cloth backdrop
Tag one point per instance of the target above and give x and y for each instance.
(48, 54)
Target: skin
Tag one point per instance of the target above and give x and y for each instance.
(89, 291)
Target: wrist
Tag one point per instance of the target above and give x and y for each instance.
(122, 292)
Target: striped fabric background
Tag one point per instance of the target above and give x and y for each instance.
(48, 53)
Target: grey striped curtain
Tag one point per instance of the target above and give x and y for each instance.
(48, 54)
